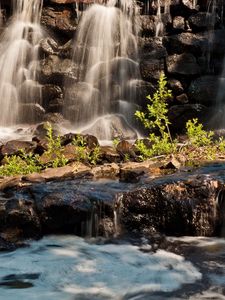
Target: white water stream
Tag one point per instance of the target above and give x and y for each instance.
(106, 52)
(18, 57)
(71, 268)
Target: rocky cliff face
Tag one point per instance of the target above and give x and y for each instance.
(183, 38)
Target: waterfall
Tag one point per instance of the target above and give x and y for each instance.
(162, 18)
(106, 53)
(18, 57)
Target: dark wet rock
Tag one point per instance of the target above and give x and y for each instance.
(187, 208)
(22, 215)
(204, 90)
(203, 20)
(49, 46)
(142, 90)
(151, 69)
(54, 70)
(183, 65)
(64, 211)
(151, 48)
(13, 147)
(55, 105)
(183, 98)
(50, 92)
(180, 114)
(176, 86)
(148, 25)
(218, 43)
(188, 42)
(6, 245)
(59, 19)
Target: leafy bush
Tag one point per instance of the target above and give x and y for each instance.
(55, 149)
(20, 165)
(157, 118)
(197, 135)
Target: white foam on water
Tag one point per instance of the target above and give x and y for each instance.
(71, 267)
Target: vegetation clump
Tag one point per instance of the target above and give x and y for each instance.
(156, 118)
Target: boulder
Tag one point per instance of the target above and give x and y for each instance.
(204, 90)
(151, 69)
(13, 147)
(180, 114)
(182, 208)
(184, 65)
(21, 214)
(59, 19)
(197, 44)
(54, 70)
(203, 21)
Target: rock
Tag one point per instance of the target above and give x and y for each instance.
(191, 204)
(109, 154)
(179, 23)
(148, 25)
(54, 70)
(203, 21)
(204, 90)
(59, 19)
(50, 92)
(21, 214)
(110, 171)
(50, 47)
(183, 65)
(197, 44)
(152, 48)
(173, 164)
(180, 114)
(69, 152)
(176, 86)
(54, 118)
(124, 148)
(64, 212)
(151, 69)
(183, 98)
(218, 43)
(55, 105)
(13, 147)
(6, 245)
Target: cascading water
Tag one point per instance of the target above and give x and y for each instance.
(162, 18)
(18, 56)
(106, 52)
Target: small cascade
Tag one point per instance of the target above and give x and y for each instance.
(106, 54)
(162, 17)
(18, 61)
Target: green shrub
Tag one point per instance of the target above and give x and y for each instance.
(20, 165)
(197, 135)
(156, 118)
(55, 149)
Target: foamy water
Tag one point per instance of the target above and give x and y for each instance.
(72, 268)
